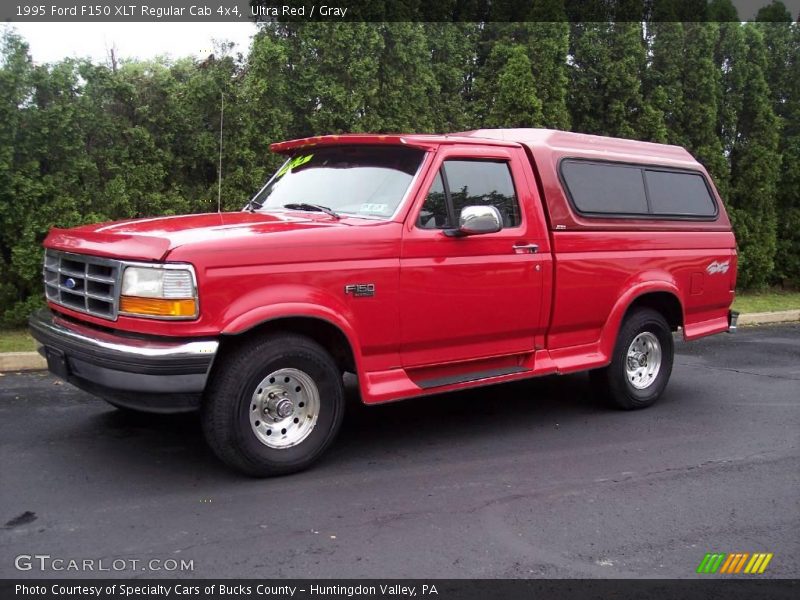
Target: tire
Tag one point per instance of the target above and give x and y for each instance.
(646, 339)
(273, 405)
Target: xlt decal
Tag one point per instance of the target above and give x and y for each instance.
(718, 267)
(360, 289)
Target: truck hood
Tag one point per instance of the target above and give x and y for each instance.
(153, 239)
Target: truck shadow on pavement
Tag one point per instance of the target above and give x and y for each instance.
(402, 431)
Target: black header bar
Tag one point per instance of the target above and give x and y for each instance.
(389, 10)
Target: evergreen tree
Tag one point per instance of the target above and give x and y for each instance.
(405, 81)
(788, 193)
(755, 164)
(513, 102)
(548, 46)
(722, 11)
(590, 61)
(663, 83)
(47, 170)
(774, 22)
(608, 62)
(628, 58)
(780, 38)
(16, 72)
(265, 102)
(730, 57)
(698, 120)
(333, 74)
(452, 52)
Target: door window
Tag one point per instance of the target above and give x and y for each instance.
(462, 183)
(434, 211)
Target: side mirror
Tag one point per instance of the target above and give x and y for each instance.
(475, 220)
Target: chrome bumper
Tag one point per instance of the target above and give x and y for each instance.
(733, 317)
(158, 374)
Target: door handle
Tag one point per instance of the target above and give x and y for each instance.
(526, 248)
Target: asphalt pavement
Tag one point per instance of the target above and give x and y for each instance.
(534, 479)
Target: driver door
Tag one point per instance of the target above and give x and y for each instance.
(478, 296)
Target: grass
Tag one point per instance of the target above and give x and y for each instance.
(768, 301)
(18, 340)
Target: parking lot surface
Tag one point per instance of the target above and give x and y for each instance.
(535, 479)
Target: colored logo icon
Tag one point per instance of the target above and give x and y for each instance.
(734, 563)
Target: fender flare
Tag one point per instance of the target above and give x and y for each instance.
(290, 310)
(608, 336)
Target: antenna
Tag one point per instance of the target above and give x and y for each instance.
(219, 172)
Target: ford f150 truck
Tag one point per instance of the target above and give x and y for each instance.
(420, 263)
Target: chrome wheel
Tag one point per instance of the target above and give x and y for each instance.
(284, 408)
(643, 361)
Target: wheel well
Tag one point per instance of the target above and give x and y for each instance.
(663, 302)
(324, 333)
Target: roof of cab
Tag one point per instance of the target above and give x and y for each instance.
(538, 140)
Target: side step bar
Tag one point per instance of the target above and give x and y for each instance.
(435, 382)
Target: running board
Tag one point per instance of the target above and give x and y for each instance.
(435, 382)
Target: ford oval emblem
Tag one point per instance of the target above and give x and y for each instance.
(70, 283)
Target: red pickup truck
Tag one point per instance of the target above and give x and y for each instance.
(421, 263)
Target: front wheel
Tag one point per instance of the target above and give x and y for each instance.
(641, 364)
(274, 405)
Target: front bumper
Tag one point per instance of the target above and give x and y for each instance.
(155, 374)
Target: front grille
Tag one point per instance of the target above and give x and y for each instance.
(84, 283)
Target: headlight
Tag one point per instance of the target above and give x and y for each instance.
(166, 291)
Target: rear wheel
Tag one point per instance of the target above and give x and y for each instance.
(641, 364)
(274, 405)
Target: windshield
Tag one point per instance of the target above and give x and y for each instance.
(367, 181)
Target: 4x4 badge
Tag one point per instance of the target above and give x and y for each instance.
(718, 267)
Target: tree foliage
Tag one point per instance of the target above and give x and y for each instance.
(755, 164)
(787, 259)
(83, 142)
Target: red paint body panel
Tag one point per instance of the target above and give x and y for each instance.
(458, 292)
(602, 266)
(444, 307)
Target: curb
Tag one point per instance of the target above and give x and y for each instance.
(33, 361)
(21, 361)
(784, 316)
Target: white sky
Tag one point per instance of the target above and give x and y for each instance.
(50, 42)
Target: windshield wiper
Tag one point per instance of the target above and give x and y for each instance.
(314, 207)
(253, 205)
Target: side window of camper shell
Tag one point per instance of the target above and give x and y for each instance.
(601, 189)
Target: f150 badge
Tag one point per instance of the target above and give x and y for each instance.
(359, 290)
(718, 267)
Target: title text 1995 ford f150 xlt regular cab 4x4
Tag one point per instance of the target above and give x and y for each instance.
(421, 263)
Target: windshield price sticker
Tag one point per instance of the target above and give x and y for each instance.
(294, 163)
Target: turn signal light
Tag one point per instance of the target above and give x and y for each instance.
(158, 307)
